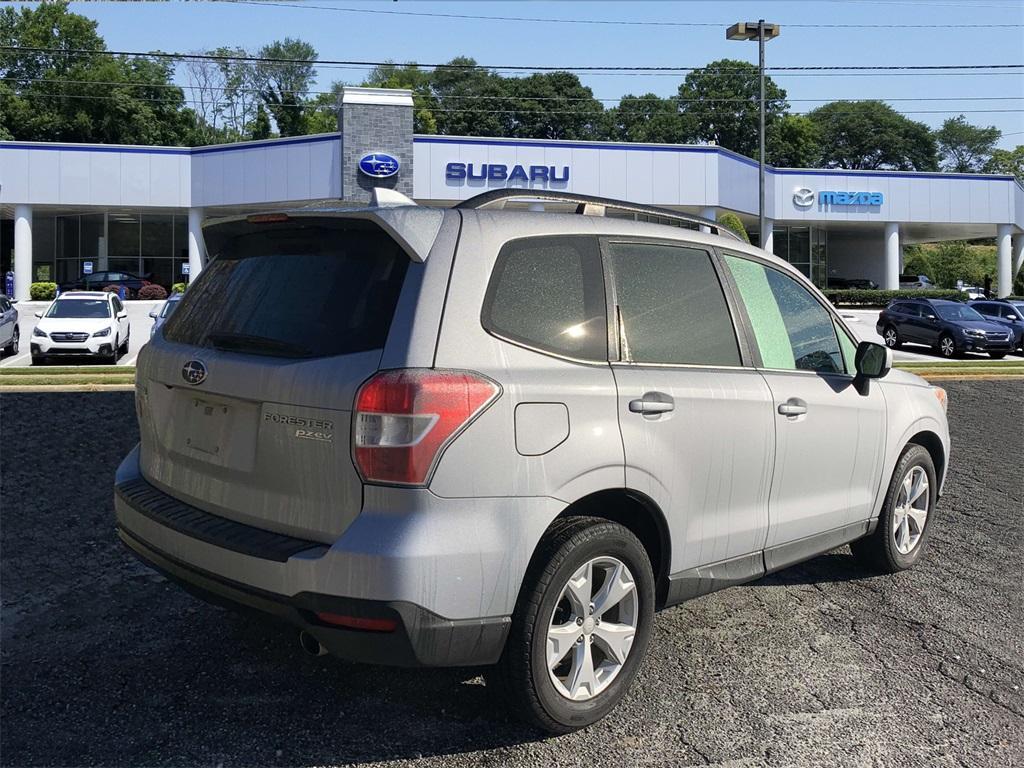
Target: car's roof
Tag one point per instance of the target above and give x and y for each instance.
(943, 301)
(84, 295)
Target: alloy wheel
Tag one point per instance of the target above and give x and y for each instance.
(592, 628)
(15, 342)
(890, 337)
(946, 346)
(910, 512)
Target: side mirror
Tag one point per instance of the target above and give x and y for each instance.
(931, 317)
(872, 361)
(39, 314)
(122, 315)
(152, 313)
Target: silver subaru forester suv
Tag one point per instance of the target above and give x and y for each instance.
(505, 437)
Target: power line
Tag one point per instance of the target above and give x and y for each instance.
(943, 68)
(510, 110)
(477, 97)
(601, 22)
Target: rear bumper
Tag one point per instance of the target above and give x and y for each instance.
(420, 639)
(448, 571)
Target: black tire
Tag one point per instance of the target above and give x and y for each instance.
(878, 551)
(997, 355)
(112, 358)
(947, 350)
(12, 348)
(521, 677)
(123, 349)
(891, 337)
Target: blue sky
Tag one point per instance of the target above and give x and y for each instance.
(349, 35)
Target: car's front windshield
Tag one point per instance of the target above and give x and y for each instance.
(957, 312)
(169, 307)
(82, 308)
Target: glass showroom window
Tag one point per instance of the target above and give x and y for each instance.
(123, 242)
(42, 247)
(68, 263)
(157, 249)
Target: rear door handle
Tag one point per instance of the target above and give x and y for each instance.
(648, 407)
(793, 407)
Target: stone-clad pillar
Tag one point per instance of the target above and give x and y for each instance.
(375, 120)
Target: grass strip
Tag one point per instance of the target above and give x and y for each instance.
(66, 370)
(31, 381)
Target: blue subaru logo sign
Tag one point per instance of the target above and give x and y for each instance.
(379, 165)
(194, 372)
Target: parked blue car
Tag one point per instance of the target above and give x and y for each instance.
(1006, 312)
(949, 327)
(160, 315)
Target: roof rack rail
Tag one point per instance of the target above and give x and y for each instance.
(589, 205)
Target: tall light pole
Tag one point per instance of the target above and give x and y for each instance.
(760, 31)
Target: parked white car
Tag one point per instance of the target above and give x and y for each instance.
(81, 323)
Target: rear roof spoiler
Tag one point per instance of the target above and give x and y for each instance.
(413, 227)
(589, 205)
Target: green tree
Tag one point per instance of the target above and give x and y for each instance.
(471, 100)
(793, 141)
(723, 100)
(285, 82)
(1009, 161)
(732, 222)
(870, 135)
(553, 105)
(649, 118)
(415, 79)
(83, 97)
(261, 124)
(965, 148)
(322, 112)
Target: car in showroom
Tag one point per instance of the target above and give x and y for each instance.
(496, 437)
(10, 328)
(81, 324)
(949, 327)
(1008, 313)
(97, 281)
(165, 311)
(916, 283)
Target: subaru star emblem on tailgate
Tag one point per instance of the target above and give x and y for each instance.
(194, 372)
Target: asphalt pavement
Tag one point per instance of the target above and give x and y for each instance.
(106, 663)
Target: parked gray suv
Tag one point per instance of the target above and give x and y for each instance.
(499, 437)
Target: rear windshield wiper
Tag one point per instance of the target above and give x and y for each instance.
(259, 345)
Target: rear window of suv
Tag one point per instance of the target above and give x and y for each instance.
(305, 287)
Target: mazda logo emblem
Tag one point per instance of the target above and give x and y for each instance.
(803, 197)
(194, 372)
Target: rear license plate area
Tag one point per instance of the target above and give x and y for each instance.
(208, 425)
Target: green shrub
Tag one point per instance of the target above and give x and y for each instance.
(862, 297)
(732, 222)
(42, 291)
(152, 291)
(179, 287)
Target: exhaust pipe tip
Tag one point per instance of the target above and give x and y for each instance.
(311, 645)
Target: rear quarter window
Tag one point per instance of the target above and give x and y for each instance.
(548, 293)
(306, 287)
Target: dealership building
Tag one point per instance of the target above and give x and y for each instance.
(72, 209)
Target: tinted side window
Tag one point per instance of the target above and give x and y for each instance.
(793, 331)
(671, 306)
(914, 310)
(548, 293)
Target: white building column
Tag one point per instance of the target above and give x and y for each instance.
(22, 252)
(892, 256)
(196, 246)
(708, 213)
(1017, 246)
(1004, 280)
(768, 236)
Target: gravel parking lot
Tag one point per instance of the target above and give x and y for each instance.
(105, 663)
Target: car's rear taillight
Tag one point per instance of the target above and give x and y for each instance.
(405, 418)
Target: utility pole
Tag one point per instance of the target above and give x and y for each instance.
(761, 32)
